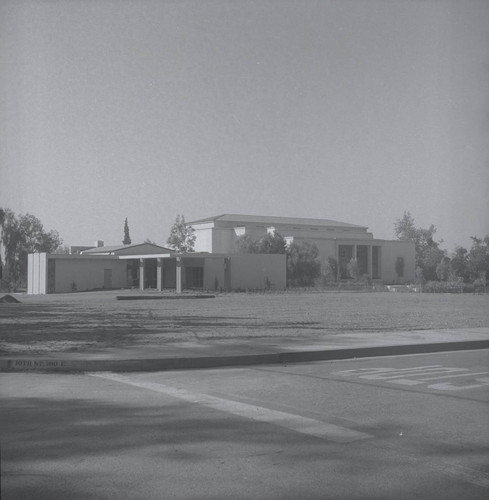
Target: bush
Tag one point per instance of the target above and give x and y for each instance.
(303, 265)
(353, 269)
(9, 284)
(453, 286)
(328, 273)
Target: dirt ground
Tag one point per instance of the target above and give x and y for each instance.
(94, 320)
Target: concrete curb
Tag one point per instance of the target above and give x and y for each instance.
(165, 297)
(189, 363)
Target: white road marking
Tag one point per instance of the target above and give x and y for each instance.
(393, 374)
(471, 374)
(419, 375)
(405, 381)
(359, 371)
(446, 386)
(289, 421)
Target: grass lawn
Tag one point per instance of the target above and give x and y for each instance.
(94, 320)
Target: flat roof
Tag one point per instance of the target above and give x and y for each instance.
(271, 220)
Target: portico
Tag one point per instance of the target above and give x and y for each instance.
(366, 255)
(143, 260)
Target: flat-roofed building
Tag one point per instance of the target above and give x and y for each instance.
(149, 266)
(377, 259)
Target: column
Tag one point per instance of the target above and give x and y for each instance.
(337, 257)
(43, 273)
(159, 270)
(141, 274)
(369, 261)
(179, 274)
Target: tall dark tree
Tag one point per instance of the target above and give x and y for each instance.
(22, 235)
(182, 237)
(127, 238)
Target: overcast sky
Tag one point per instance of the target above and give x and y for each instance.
(353, 110)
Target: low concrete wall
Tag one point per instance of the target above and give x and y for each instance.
(258, 271)
(214, 274)
(78, 274)
(69, 273)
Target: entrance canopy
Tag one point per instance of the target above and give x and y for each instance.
(179, 257)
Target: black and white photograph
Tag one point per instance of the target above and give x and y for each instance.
(244, 249)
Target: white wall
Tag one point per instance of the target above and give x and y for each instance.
(203, 238)
(37, 274)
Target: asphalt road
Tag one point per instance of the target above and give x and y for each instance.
(397, 427)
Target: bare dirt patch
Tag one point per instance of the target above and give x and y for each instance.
(91, 321)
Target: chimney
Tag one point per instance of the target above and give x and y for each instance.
(99, 243)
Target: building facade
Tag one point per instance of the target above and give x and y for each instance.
(148, 266)
(386, 260)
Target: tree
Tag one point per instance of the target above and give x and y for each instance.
(2, 218)
(328, 272)
(245, 244)
(405, 228)
(182, 237)
(22, 235)
(127, 238)
(431, 258)
(458, 263)
(478, 258)
(427, 250)
(353, 269)
(270, 243)
(62, 249)
(273, 243)
(443, 269)
(303, 264)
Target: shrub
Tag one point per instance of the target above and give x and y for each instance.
(9, 284)
(353, 269)
(303, 265)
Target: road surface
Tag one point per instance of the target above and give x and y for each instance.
(392, 427)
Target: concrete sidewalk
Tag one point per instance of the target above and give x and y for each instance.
(252, 351)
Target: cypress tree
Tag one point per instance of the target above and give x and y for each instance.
(127, 238)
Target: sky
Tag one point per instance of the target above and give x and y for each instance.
(351, 110)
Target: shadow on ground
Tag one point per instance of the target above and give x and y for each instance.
(89, 448)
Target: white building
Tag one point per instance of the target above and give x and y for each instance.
(338, 240)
